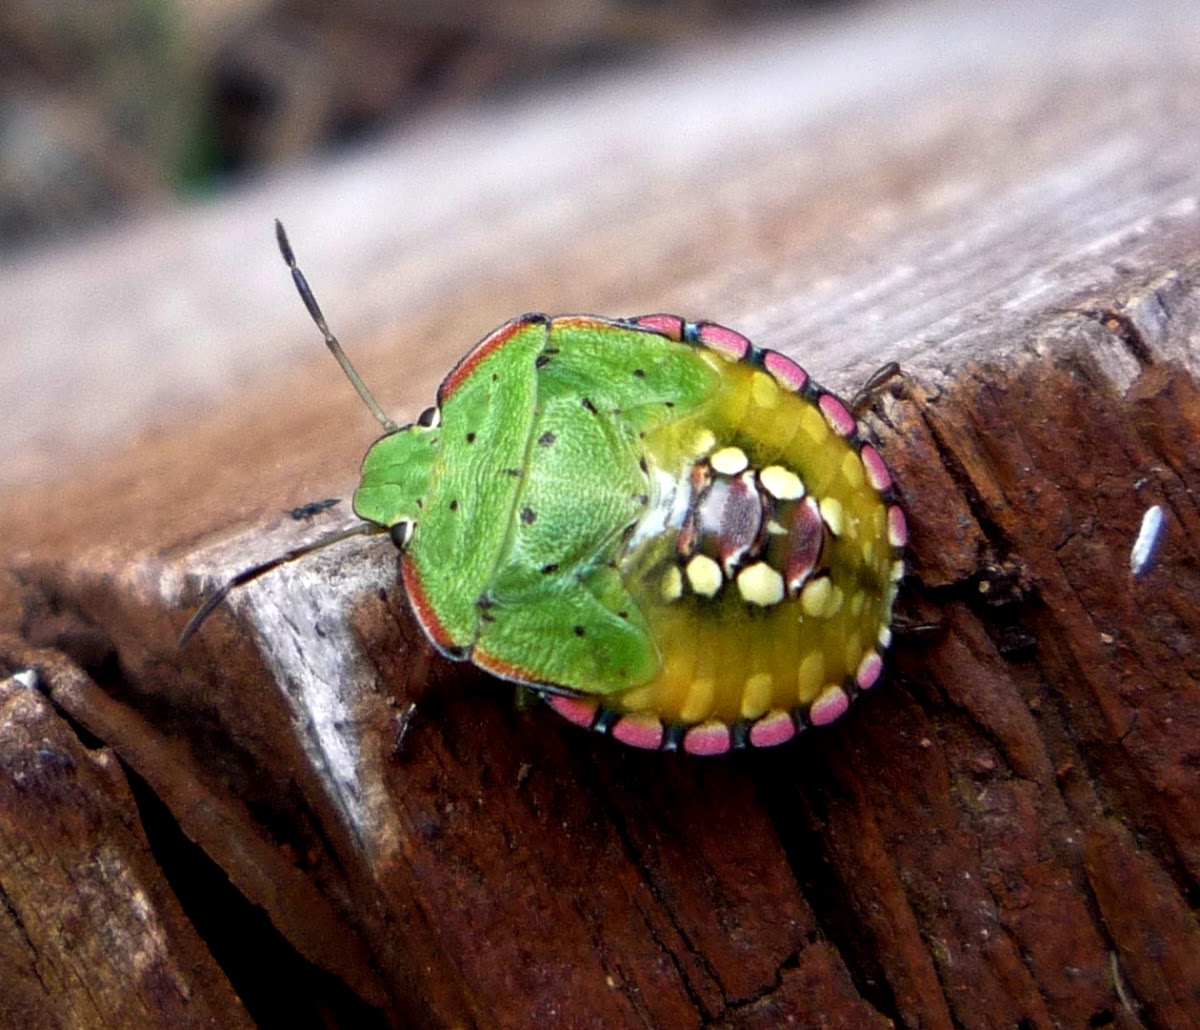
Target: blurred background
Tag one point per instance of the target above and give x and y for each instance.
(797, 168)
(113, 106)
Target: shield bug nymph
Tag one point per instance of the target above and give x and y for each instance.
(674, 536)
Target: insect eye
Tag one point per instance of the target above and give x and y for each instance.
(402, 532)
(429, 418)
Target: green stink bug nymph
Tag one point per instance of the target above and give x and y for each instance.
(674, 536)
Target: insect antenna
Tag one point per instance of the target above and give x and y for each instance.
(246, 575)
(306, 511)
(335, 348)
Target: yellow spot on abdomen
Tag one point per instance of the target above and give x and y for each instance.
(703, 443)
(834, 604)
(764, 390)
(781, 483)
(704, 574)
(854, 651)
(698, 702)
(729, 461)
(810, 677)
(760, 584)
(815, 596)
(756, 698)
(831, 514)
(852, 470)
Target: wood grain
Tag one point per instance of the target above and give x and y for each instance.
(1004, 833)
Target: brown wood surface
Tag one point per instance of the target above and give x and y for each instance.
(91, 933)
(1005, 833)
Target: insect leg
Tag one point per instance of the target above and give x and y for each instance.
(865, 396)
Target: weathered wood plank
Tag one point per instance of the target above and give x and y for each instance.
(91, 934)
(1005, 833)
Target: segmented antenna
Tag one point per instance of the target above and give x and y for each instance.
(246, 575)
(363, 529)
(335, 348)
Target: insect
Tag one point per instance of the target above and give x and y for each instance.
(307, 512)
(675, 537)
